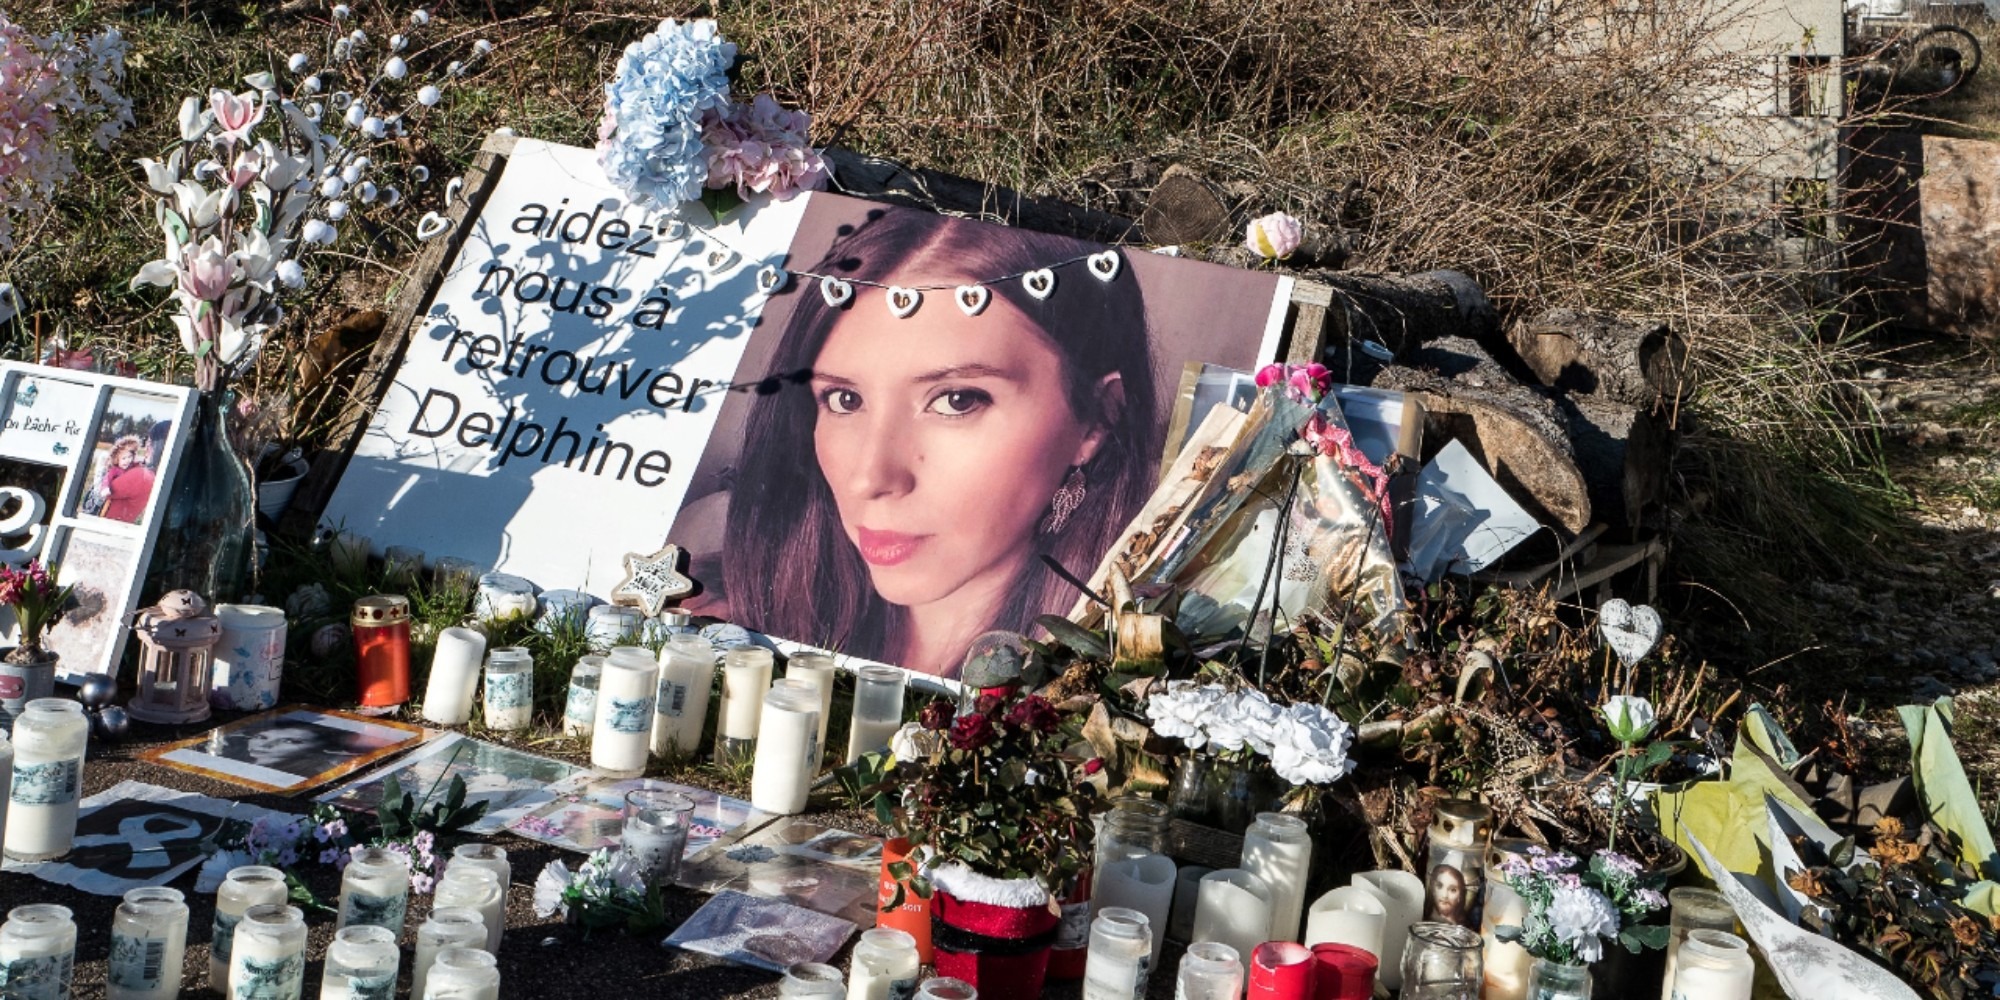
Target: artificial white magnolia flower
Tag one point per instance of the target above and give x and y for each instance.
(317, 233)
(336, 210)
(420, 17)
(398, 43)
(291, 274)
(429, 96)
(1629, 717)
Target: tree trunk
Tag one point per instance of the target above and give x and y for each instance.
(887, 181)
(1636, 362)
(1623, 453)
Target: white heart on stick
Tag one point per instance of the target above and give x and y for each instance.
(431, 225)
(1632, 631)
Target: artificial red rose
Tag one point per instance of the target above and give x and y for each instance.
(1093, 765)
(937, 715)
(973, 731)
(1034, 712)
(986, 704)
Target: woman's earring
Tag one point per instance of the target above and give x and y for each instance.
(1067, 499)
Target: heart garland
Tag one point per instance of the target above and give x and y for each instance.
(1103, 265)
(904, 301)
(1039, 283)
(836, 292)
(771, 279)
(972, 299)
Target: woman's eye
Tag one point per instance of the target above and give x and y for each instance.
(959, 402)
(841, 401)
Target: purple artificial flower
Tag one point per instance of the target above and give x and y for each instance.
(1618, 863)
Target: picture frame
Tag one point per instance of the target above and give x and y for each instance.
(290, 749)
(511, 783)
(86, 464)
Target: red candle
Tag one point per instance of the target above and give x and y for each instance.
(1343, 972)
(1281, 970)
(382, 649)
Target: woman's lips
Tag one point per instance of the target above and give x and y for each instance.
(887, 548)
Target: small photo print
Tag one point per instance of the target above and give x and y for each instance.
(289, 750)
(91, 636)
(509, 782)
(128, 446)
(587, 811)
(761, 933)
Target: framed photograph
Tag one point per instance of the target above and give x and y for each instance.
(134, 834)
(511, 783)
(820, 868)
(86, 462)
(587, 811)
(290, 749)
(761, 933)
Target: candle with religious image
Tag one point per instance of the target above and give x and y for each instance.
(1455, 886)
(463, 974)
(447, 927)
(49, 738)
(510, 688)
(493, 858)
(148, 945)
(244, 887)
(360, 965)
(268, 959)
(454, 676)
(878, 709)
(478, 890)
(38, 952)
(787, 752)
(580, 711)
(375, 889)
(687, 673)
(746, 675)
(624, 726)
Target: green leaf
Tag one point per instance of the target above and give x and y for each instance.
(1942, 786)
(721, 201)
(1091, 645)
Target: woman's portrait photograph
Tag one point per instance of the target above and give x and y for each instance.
(894, 467)
(289, 750)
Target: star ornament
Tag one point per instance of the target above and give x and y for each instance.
(652, 581)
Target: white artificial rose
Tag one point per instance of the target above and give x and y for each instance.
(1629, 717)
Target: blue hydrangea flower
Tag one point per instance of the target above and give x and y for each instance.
(650, 141)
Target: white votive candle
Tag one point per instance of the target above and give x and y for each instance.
(446, 927)
(6, 783)
(241, 889)
(1278, 850)
(787, 751)
(1713, 965)
(510, 688)
(746, 675)
(1187, 888)
(580, 710)
(654, 837)
(360, 965)
(463, 974)
(375, 889)
(1233, 907)
(148, 945)
(493, 858)
(884, 966)
(687, 673)
(624, 726)
(268, 960)
(1505, 964)
(878, 709)
(454, 676)
(1402, 898)
(818, 670)
(49, 738)
(504, 595)
(478, 890)
(38, 948)
(1145, 884)
(812, 979)
(1349, 915)
(1121, 946)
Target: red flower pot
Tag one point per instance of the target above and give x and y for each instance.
(1003, 951)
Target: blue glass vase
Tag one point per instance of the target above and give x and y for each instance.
(205, 531)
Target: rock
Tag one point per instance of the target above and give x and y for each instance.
(1983, 666)
(1925, 688)
(1958, 665)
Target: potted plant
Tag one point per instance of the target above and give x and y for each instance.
(1571, 914)
(28, 671)
(997, 814)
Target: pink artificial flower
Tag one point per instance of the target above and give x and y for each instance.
(762, 148)
(1270, 375)
(205, 277)
(1274, 237)
(235, 114)
(80, 359)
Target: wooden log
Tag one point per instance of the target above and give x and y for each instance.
(1374, 320)
(1623, 452)
(1516, 432)
(1636, 362)
(1185, 208)
(887, 181)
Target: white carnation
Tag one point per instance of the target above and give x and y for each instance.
(1311, 745)
(1178, 713)
(1582, 918)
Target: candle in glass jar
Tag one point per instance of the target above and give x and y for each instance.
(878, 710)
(38, 952)
(493, 858)
(446, 927)
(478, 890)
(503, 595)
(1693, 909)
(817, 669)
(1121, 955)
(148, 945)
(49, 738)
(360, 965)
(243, 888)
(463, 974)
(1278, 850)
(1713, 965)
(580, 710)
(1210, 970)
(946, 988)
(510, 688)
(1504, 964)
(1402, 897)
(349, 552)
(375, 889)
(787, 753)
(1144, 883)
(746, 675)
(454, 676)
(6, 783)
(1233, 907)
(655, 834)
(624, 726)
(812, 979)
(268, 959)
(611, 624)
(884, 966)
(1348, 915)
(687, 673)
